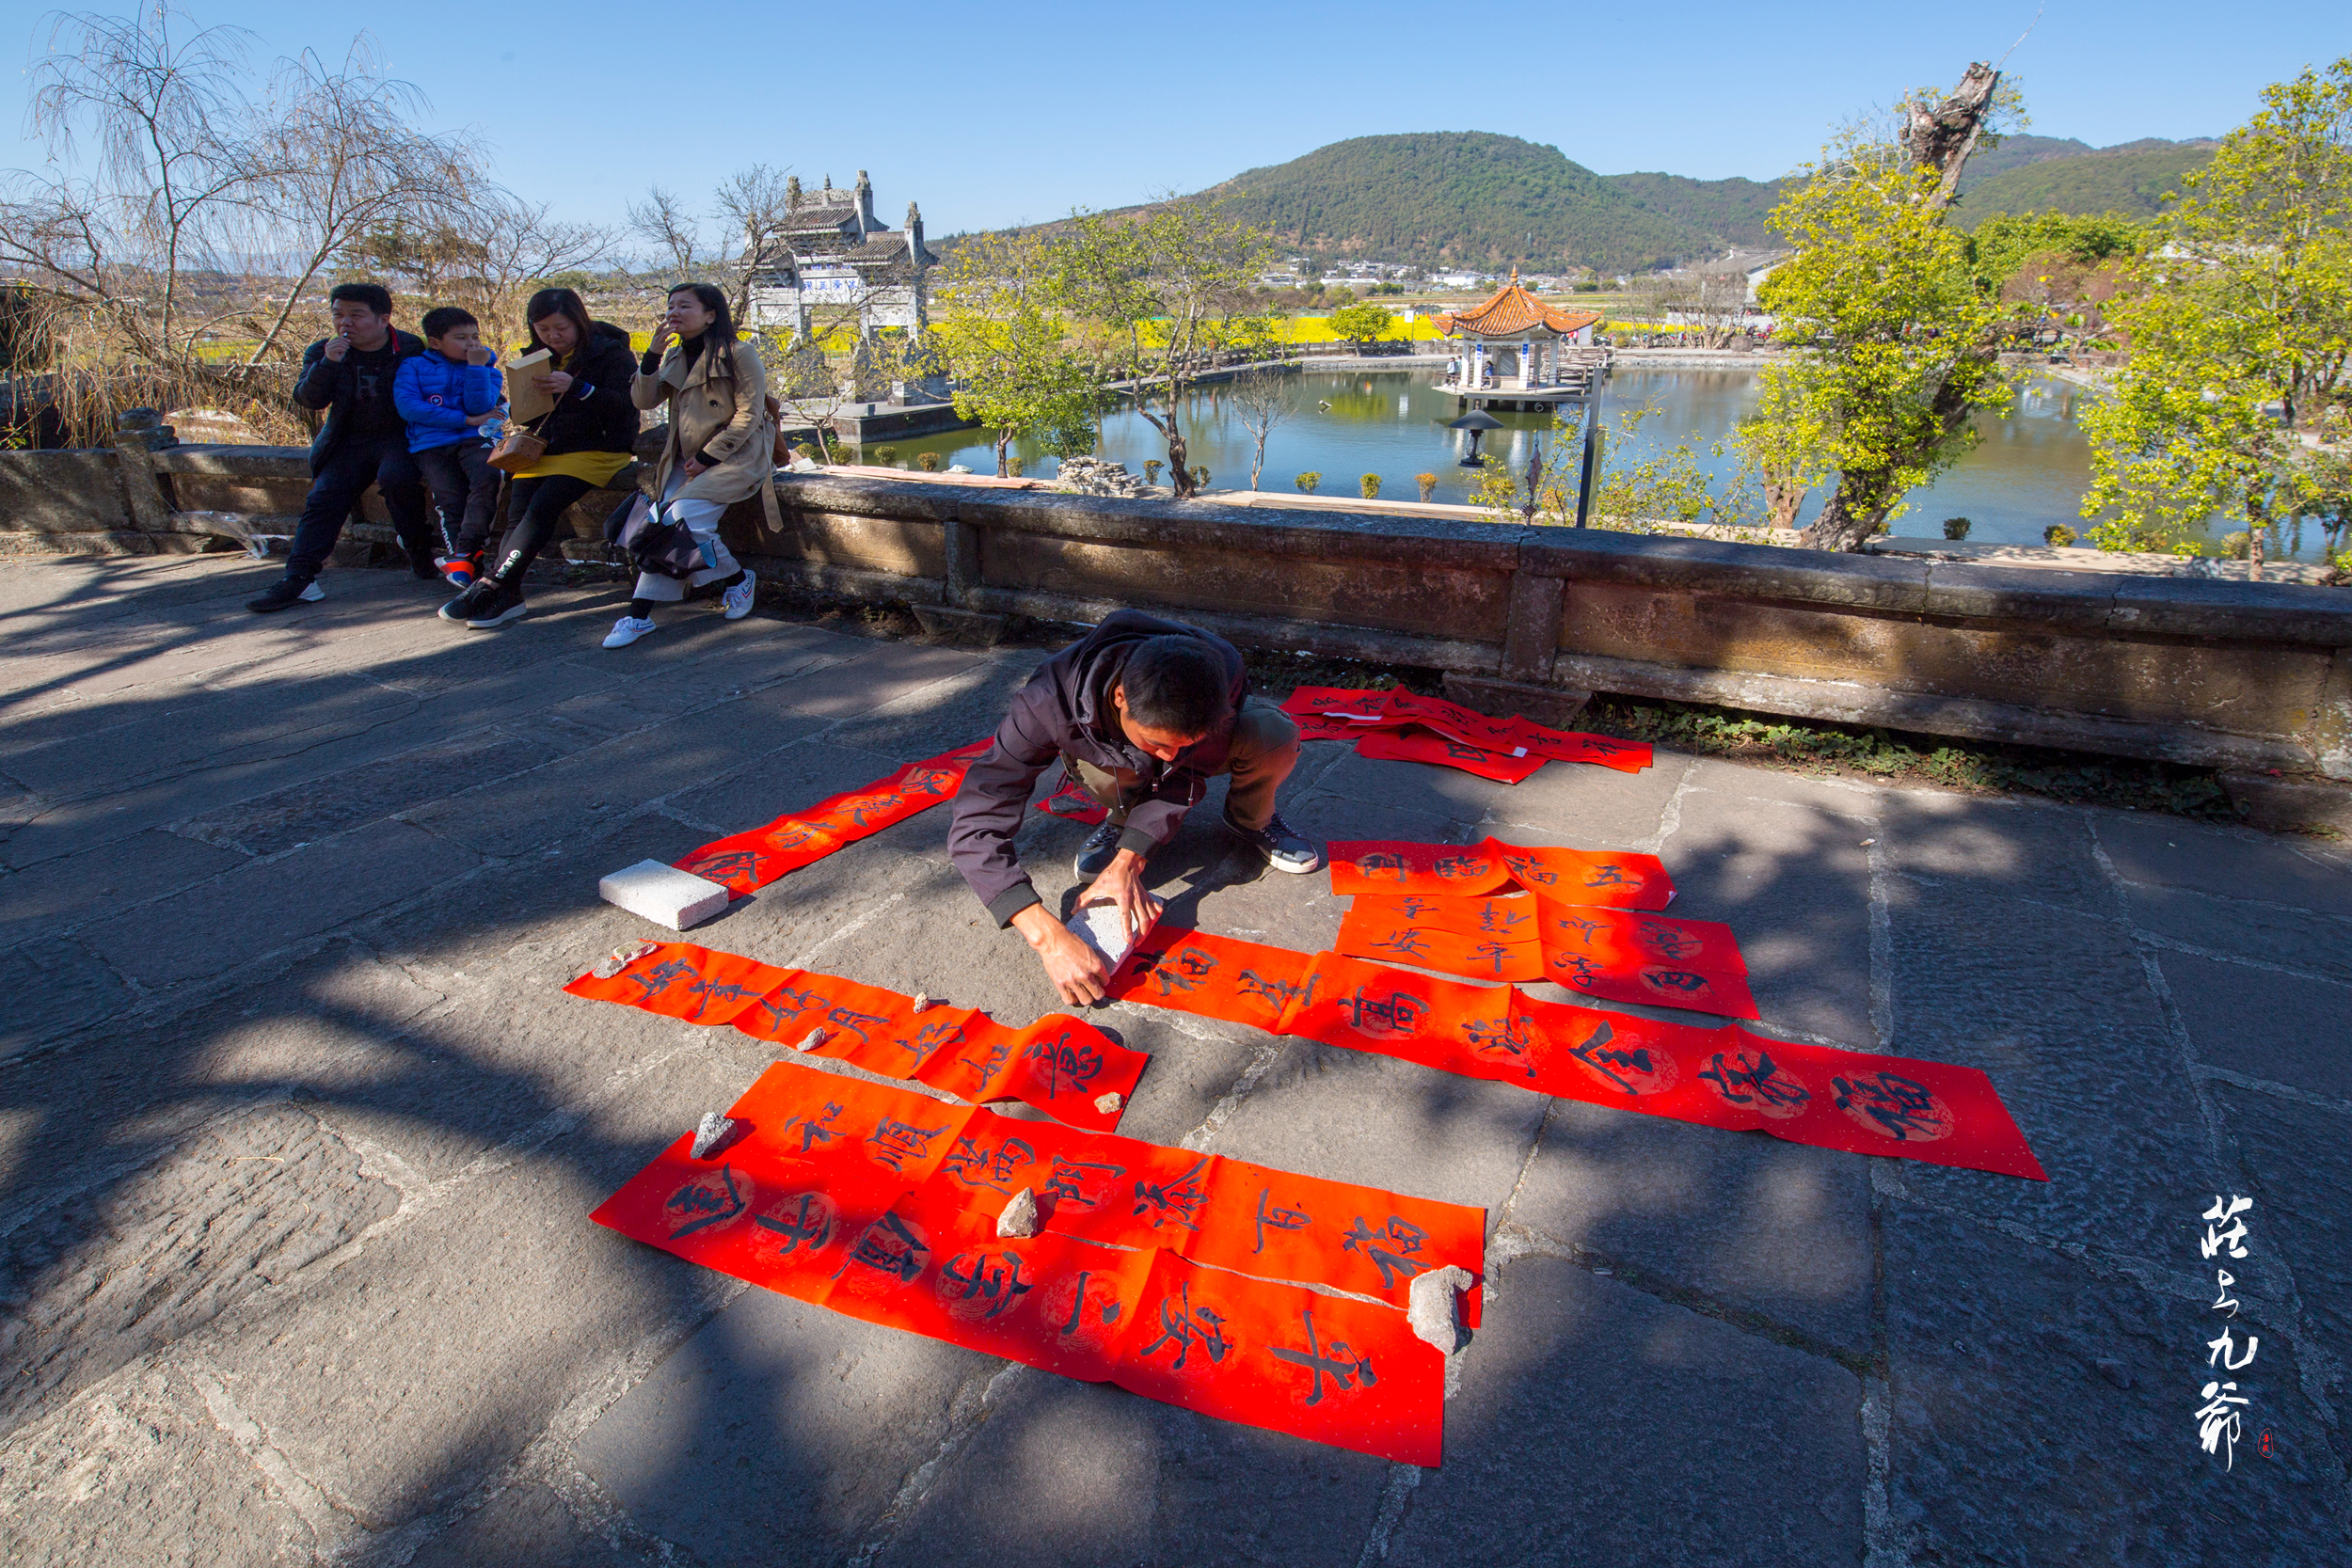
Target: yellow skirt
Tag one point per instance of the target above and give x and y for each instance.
(597, 467)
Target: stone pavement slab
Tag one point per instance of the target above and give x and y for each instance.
(298, 1137)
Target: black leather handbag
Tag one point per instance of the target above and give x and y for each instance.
(655, 543)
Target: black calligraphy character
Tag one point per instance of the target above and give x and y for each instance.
(1188, 1325)
(1595, 1054)
(1170, 979)
(1899, 1104)
(1390, 1015)
(1460, 867)
(855, 1023)
(1610, 874)
(1108, 1312)
(1689, 982)
(1405, 1238)
(714, 992)
(930, 781)
(711, 1204)
(1666, 942)
(895, 1142)
(1410, 943)
(1182, 1198)
(1528, 869)
(1500, 921)
(814, 1130)
(1506, 1034)
(889, 1246)
(1579, 971)
(1412, 905)
(1342, 1366)
(1000, 1284)
(802, 1225)
(998, 1056)
(1276, 995)
(662, 977)
(774, 1006)
(730, 867)
(976, 1165)
(1081, 1183)
(792, 835)
(928, 1038)
(865, 811)
(1756, 1073)
(1493, 954)
(1587, 930)
(1066, 1066)
(1281, 1219)
(1382, 868)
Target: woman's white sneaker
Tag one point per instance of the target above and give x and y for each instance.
(628, 629)
(738, 599)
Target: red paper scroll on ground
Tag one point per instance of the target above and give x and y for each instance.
(1063, 1066)
(1619, 879)
(1153, 1268)
(748, 860)
(1615, 955)
(1720, 1077)
(1344, 713)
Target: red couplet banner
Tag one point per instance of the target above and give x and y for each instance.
(1171, 1274)
(1061, 1066)
(1615, 955)
(1342, 712)
(1722, 1077)
(1389, 867)
(748, 860)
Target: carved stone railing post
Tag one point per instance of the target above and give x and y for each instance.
(139, 433)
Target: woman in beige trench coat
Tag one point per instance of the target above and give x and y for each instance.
(720, 447)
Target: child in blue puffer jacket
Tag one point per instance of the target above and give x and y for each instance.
(447, 394)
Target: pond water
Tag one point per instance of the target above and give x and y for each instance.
(2030, 470)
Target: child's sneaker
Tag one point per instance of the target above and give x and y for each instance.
(459, 569)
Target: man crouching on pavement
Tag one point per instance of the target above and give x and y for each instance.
(1143, 713)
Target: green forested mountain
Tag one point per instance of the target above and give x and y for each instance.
(2130, 179)
(1470, 198)
(1458, 198)
(1731, 212)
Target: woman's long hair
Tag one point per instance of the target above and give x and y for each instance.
(719, 331)
(558, 302)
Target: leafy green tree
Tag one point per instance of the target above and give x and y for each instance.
(1361, 324)
(1001, 328)
(1896, 343)
(2243, 335)
(1164, 291)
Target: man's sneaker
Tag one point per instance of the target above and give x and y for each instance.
(628, 629)
(738, 599)
(283, 593)
(1283, 849)
(458, 570)
(1096, 853)
(498, 604)
(461, 607)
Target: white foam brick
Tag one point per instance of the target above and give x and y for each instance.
(1100, 925)
(663, 895)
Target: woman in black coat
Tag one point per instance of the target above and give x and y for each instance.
(589, 437)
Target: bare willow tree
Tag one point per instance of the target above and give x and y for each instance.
(1261, 401)
(210, 207)
(752, 212)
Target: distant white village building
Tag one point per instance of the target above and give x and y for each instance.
(839, 260)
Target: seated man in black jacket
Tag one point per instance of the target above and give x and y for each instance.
(1143, 713)
(363, 441)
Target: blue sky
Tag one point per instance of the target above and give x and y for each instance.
(993, 115)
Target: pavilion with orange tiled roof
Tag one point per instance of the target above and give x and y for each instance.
(1515, 341)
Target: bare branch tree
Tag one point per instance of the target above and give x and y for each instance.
(1261, 400)
(662, 220)
(756, 206)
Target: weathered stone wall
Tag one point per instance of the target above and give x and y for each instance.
(2230, 674)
